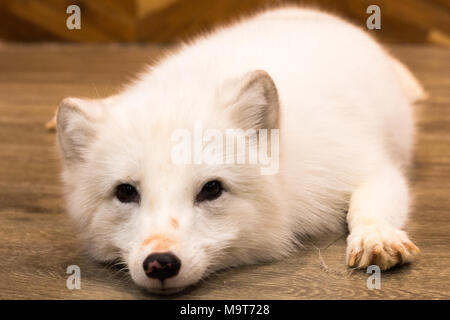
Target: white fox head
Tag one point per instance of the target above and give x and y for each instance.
(172, 224)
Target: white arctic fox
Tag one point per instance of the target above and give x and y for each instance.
(341, 103)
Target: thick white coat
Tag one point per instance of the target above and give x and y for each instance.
(346, 136)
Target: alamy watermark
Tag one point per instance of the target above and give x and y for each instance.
(374, 20)
(74, 280)
(374, 281)
(74, 20)
(233, 146)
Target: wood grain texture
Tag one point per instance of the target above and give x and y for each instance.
(38, 242)
(405, 21)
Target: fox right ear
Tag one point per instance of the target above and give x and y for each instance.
(75, 124)
(255, 102)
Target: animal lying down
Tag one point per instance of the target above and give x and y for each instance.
(239, 143)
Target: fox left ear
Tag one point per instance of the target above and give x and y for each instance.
(255, 104)
(76, 119)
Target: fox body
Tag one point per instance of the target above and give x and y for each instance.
(343, 108)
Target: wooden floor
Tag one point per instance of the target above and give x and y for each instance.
(38, 243)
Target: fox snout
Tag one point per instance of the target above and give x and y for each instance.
(161, 265)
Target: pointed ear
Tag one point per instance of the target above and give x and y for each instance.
(75, 124)
(255, 101)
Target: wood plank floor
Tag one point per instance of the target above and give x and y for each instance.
(38, 243)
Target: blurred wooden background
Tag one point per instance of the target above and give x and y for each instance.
(402, 21)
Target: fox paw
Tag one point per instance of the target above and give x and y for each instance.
(379, 245)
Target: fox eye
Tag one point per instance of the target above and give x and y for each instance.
(210, 191)
(127, 193)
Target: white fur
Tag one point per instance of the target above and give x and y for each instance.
(346, 133)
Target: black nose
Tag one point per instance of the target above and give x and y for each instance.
(161, 265)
